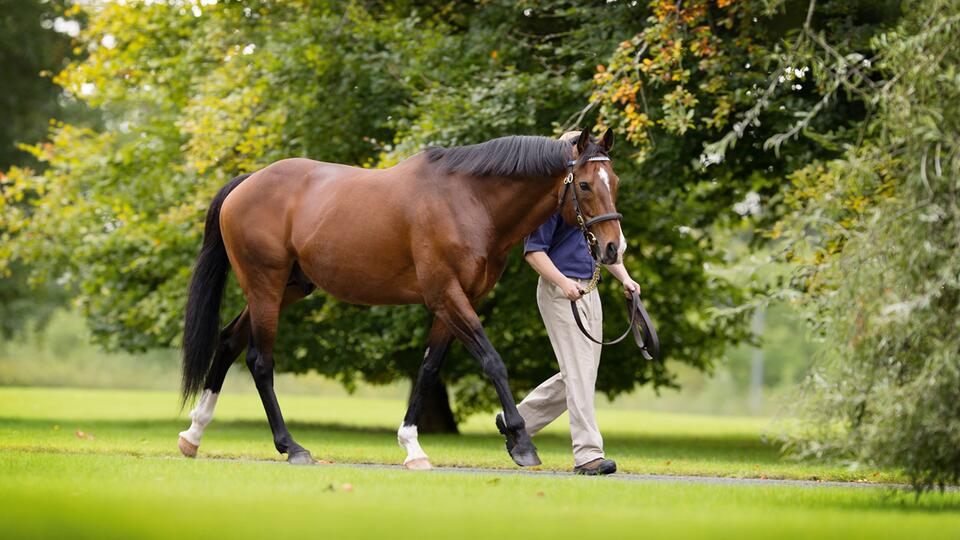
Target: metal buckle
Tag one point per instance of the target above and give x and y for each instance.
(592, 239)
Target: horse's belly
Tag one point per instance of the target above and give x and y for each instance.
(357, 285)
(362, 269)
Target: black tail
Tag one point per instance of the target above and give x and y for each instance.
(202, 322)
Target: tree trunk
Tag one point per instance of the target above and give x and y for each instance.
(437, 417)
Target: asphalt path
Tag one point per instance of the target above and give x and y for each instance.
(618, 477)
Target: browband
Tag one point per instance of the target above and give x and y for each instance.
(595, 158)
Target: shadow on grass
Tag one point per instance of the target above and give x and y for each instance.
(733, 448)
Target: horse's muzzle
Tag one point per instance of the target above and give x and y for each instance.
(611, 254)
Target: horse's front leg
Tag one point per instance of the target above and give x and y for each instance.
(438, 341)
(458, 313)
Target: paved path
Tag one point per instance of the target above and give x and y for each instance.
(630, 477)
(621, 477)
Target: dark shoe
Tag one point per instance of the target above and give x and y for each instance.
(502, 428)
(597, 467)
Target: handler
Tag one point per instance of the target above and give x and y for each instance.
(559, 253)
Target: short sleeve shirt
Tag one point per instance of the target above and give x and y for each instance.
(565, 245)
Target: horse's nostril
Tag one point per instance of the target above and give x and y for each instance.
(611, 250)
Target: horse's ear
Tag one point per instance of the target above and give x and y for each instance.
(583, 141)
(607, 140)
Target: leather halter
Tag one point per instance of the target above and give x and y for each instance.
(585, 224)
(644, 333)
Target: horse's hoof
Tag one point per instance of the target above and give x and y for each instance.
(187, 448)
(300, 457)
(525, 458)
(419, 464)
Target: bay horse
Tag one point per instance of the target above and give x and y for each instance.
(434, 229)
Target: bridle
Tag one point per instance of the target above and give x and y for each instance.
(585, 224)
(640, 326)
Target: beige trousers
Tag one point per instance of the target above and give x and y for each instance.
(573, 388)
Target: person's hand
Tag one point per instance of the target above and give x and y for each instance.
(571, 289)
(629, 286)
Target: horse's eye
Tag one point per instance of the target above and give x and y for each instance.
(584, 186)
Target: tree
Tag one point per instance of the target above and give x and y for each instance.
(192, 95)
(31, 49)
(875, 234)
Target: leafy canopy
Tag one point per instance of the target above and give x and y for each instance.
(192, 94)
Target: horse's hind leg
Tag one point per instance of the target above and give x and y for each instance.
(265, 305)
(233, 338)
(438, 341)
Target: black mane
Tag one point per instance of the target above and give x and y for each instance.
(513, 156)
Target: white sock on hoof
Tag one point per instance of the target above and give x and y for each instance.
(407, 438)
(201, 415)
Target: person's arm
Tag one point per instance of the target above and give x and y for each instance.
(620, 272)
(549, 271)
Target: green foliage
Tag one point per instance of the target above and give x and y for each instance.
(31, 50)
(23, 306)
(192, 95)
(875, 231)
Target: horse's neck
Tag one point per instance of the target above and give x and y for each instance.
(521, 206)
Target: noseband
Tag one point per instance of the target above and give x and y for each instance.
(585, 224)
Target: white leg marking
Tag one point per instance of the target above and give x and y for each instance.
(201, 415)
(604, 176)
(407, 438)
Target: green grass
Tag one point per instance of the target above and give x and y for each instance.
(351, 430)
(128, 480)
(101, 496)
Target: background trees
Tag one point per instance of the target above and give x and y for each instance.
(874, 233)
(822, 130)
(31, 50)
(192, 95)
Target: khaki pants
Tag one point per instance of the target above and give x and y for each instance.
(573, 388)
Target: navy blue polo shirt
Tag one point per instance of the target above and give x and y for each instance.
(565, 245)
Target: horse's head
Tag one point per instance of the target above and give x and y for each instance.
(588, 197)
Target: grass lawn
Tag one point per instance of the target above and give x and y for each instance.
(352, 430)
(124, 478)
(101, 496)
